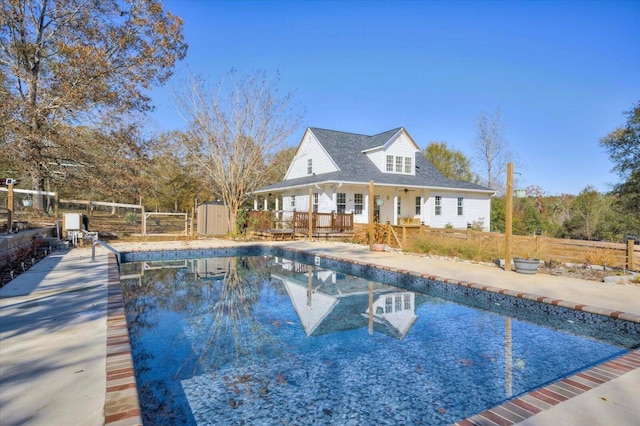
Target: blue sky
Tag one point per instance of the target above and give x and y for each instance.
(563, 73)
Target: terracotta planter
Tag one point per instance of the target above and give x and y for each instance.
(526, 266)
(378, 247)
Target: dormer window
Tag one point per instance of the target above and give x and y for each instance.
(310, 166)
(399, 164)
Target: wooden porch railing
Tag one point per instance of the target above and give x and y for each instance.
(321, 223)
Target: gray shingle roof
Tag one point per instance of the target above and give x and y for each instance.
(346, 150)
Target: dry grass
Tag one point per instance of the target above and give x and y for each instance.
(477, 249)
(600, 256)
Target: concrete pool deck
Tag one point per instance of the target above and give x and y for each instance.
(54, 330)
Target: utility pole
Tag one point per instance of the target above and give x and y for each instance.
(508, 218)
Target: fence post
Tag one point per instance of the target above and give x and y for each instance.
(10, 208)
(630, 243)
(56, 205)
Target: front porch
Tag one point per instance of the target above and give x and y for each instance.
(283, 224)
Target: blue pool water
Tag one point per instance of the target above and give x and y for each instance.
(262, 340)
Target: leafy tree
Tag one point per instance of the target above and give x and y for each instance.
(491, 149)
(235, 132)
(70, 62)
(450, 162)
(107, 162)
(176, 181)
(623, 147)
(586, 211)
(281, 161)
(498, 214)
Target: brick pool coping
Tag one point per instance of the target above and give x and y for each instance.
(122, 407)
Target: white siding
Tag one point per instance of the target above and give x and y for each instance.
(400, 147)
(310, 148)
(378, 158)
(476, 208)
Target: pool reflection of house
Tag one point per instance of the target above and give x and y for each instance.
(328, 301)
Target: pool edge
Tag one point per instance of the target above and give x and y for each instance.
(121, 407)
(514, 410)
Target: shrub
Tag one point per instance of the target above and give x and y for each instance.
(131, 217)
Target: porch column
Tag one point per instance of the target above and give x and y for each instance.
(266, 204)
(395, 208)
(277, 203)
(255, 203)
(370, 202)
(334, 199)
(310, 214)
(423, 209)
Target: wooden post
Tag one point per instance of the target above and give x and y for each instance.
(508, 218)
(371, 224)
(310, 219)
(404, 235)
(10, 208)
(630, 243)
(193, 217)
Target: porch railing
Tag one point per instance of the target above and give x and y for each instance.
(321, 223)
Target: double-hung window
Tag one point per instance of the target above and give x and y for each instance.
(460, 206)
(310, 166)
(407, 165)
(398, 164)
(357, 203)
(418, 205)
(389, 163)
(438, 205)
(341, 202)
(315, 202)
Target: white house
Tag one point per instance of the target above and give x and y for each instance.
(338, 166)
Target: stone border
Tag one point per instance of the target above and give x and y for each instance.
(121, 407)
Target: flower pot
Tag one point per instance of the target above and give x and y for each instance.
(26, 202)
(378, 247)
(526, 266)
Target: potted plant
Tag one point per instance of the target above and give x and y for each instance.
(378, 235)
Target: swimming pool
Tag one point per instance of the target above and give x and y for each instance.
(266, 350)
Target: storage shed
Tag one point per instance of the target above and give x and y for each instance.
(213, 219)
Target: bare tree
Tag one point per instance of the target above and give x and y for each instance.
(235, 130)
(491, 149)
